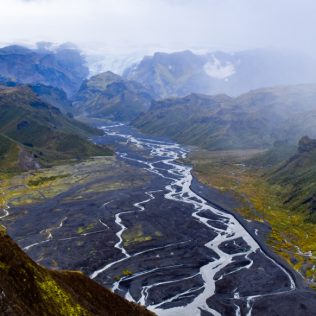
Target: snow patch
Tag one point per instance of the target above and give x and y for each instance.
(216, 69)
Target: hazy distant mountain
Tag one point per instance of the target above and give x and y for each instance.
(182, 73)
(254, 120)
(109, 95)
(53, 96)
(34, 133)
(117, 63)
(63, 67)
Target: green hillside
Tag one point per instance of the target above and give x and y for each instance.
(254, 120)
(297, 177)
(34, 132)
(109, 95)
(28, 289)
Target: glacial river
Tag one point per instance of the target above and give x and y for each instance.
(230, 242)
(162, 245)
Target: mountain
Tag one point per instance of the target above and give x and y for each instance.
(109, 95)
(254, 120)
(297, 176)
(181, 73)
(99, 62)
(34, 133)
(28, 289)
(62, 68)
(53, 96)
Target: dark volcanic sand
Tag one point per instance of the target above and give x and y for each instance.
(161, 244)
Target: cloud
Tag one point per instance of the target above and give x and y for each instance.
(125, 25)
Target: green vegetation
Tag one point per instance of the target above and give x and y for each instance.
(135, 235)
(125, 273)
(51, 291)
(9, 154)
(34, 133)
(276, 196)
(254, 120)
(32, 290)
(297, 178)
(109, 95)
(84, 229)
(42, 180)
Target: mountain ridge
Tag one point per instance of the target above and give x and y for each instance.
(109, 95)
(256, 119)
(60, 68)
(181, 73)
(39, 133)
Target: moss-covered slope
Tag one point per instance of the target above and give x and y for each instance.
(28, 289)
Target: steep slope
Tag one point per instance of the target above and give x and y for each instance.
(182, 73)
(27, 289)
(297, 176)
(53, 96)
(32, 130)
(9, 154)
(62, 68)
(108, 95)
(254, 120)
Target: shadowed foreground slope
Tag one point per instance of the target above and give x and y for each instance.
(28, 289)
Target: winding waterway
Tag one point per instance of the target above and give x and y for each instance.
(227, 230)
(162, 245)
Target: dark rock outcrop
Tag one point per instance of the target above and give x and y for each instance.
(306, 145)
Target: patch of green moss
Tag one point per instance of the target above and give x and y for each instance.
(54, 295)
(84, 229)
(125, 273)
(135, 235)
(42, 180)
(4, 266)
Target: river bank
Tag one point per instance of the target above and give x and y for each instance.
(259, 202)
(135, 225)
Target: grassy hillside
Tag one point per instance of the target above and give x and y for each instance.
(297, 177)
(28, 289)
(31, 129)
(254, 120)
(9, 154)
(108, 95)
(279, 194)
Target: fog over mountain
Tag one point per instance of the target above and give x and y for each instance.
(166, 149)
(122, 26)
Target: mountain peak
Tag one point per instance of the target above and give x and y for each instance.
(306, 144)
(102, 80)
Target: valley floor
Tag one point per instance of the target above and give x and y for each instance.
(289, 234)
(140, 224)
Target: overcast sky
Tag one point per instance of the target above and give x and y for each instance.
(123, 26)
